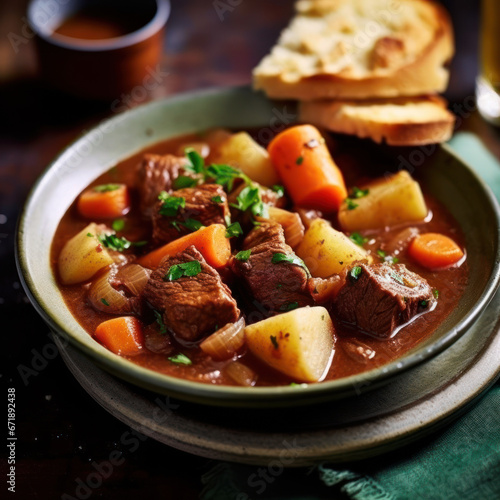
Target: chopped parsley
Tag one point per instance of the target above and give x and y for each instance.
(196, 162)
(180, 359)
(183, 181)
(225, 175)
(290, 259)
(117, 243)
(358, 239)
(381, 253)
(274, 341)
(423, 303)
(105, 188)
(118, 224)
(159, 320)
(191, 224)
(436, 293)
(243, 256)
(355, 273)
(191, 268)
(389, 259)
(250, 199)
(90, 235)
(234, 230)
(299, 160)
(358, 193)
(171, 204)
(351, 205)
(289, 307)
(105, 302)
(279, 190)
(217, 199)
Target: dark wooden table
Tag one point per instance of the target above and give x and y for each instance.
(61, 431)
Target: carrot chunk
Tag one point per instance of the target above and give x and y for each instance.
(106, 201)
(210, 241)
(435, 251)
(121, 335)
(306, 168)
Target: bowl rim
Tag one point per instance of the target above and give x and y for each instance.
(229, 395)
(153, 26)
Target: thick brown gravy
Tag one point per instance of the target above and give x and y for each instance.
(349, 358)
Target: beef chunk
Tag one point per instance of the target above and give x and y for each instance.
(191, 306)
(200, 207)
(380, 298)
(278, 286)
(157, 173)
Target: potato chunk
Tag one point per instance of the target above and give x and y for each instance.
(242, 152)
(82, 256)
(327, 251)
(299, 343)
(389, 202)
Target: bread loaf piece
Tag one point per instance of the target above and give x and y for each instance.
(359, 49)
(398, 122)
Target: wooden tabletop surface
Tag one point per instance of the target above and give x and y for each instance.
(61, 431)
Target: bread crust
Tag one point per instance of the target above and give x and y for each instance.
(398, 122)
(426, 74)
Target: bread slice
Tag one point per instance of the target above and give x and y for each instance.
(399, 122)
(359, 49)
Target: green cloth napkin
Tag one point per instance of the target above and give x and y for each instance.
(459, 462)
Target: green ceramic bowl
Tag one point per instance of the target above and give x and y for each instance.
(444, 175)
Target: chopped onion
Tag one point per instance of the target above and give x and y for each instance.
(241, 374)
(107, 299)
(225, 342)
(322, 290)
(134, 277)
(308, 215)
(291, 223)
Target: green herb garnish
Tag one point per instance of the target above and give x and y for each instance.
(171, 204)
(217, 200)
(355, 273)
(358, 239)
(423, 303)
(243, 256)
(351, 205)
(279, 190)
(290, 259)
(274, 341)
(117, 243)
(358, 193)
(183, 181)
(118, 224)
(90, 235)
(159, 320)
(234, 230)
(180, 359)
(104, 188)
(105, 302)
(299, 160)
(225, 175)
(289, 307)
(436, 293)
(196, 162)
(177, 271)
(191, 224)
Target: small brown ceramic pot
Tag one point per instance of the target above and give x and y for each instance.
(105, 68)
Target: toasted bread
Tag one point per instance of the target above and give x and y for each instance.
(398, 122)
(359, 49)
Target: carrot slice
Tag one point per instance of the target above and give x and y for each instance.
(210, 241)
(306, 168)
(106, 201)
(435, 251)
(121, 335)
